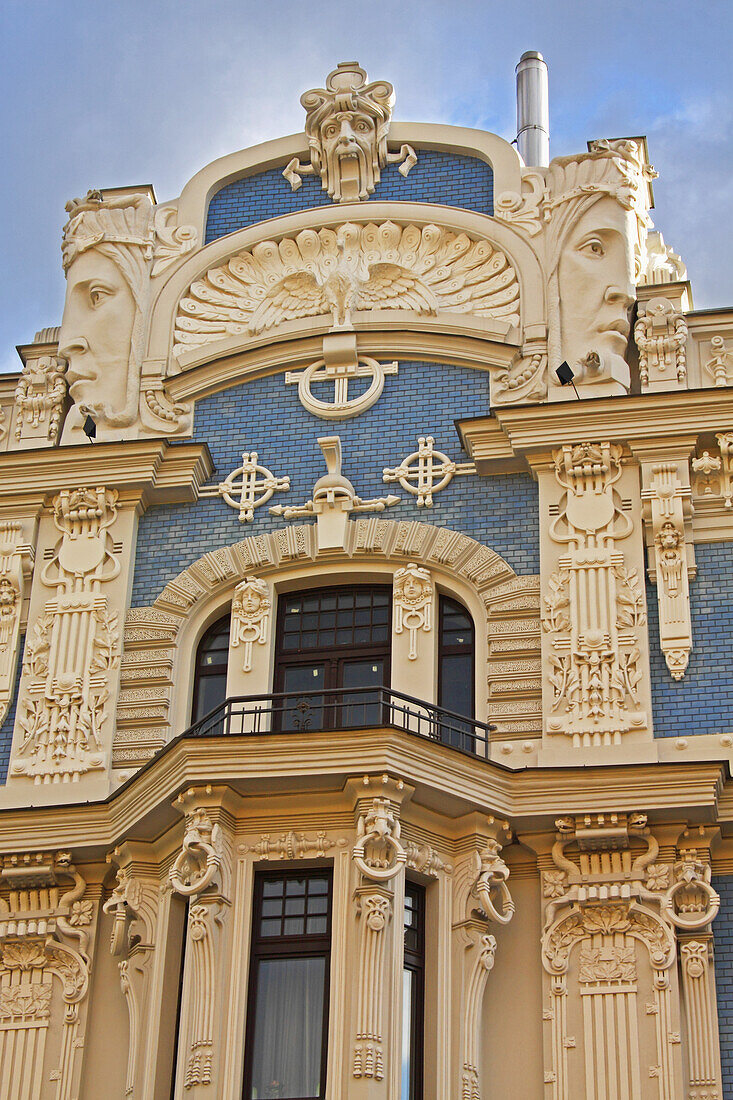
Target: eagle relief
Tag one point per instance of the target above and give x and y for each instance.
(353, 267)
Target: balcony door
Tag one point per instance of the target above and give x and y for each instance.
(333, 645)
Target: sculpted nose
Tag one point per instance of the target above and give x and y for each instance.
(620, 295)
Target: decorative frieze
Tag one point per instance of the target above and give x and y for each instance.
(73, 646)
(426, 471)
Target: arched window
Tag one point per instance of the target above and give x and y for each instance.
(456, 664)
(329, 640)
(210, 674)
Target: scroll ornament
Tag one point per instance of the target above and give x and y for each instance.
(250, 617)
(492, 874)
(199, 862)
(413, 603)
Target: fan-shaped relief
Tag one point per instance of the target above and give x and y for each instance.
(352, 267)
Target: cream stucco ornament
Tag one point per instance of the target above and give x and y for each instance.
(73, 646)
(385, 265)
(107, 250)
(347, 124)
(112, 245)
(248, 487)
(250, 617)
(426, 471)
(413, 601)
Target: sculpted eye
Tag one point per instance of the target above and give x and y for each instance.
(362, 127)
(97, 294)
(595, 246)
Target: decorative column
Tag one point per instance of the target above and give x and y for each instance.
(595, 647)
(379, 858)
(134, 906)
(202, 872)
(46, 925)
(481, 898)
(16, 564)
(612, 1009)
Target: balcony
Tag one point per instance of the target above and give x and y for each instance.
(342, 709)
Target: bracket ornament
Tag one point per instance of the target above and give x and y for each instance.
(199, 861)
(39, 399)
(667, 500)
(426, 471)
(378, 853)
(347, 125)
(73, 646)
(250, 616)
(661, 335)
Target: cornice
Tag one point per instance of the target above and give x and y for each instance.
(525, 431)
(148, 471)
(446, 782)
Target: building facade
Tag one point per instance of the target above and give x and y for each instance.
(366, 610)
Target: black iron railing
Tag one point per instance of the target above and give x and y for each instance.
(342, 709)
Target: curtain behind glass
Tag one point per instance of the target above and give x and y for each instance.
(286, 1059)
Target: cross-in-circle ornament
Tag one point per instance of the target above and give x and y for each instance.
(340, 374)
(247, 487)
(426, 471)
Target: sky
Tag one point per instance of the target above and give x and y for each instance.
(107, 94)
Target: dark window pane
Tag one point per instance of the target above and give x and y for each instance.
(271, 927)
(273, 888)
(293, 926)
(317, 886)
(211, 692)
(295, 887)
(316, 925)
(288, 1032)
(457, 684)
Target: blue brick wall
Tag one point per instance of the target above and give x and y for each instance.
(444, 178)
(6, 730)
(723, 946)
(266, 416)
(702, 702)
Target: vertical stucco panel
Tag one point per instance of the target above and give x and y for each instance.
(107, 1038)
(512, 1018)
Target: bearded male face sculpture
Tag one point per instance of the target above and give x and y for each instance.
(107, 248)
(347, 124)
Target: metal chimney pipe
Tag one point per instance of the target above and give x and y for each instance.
(533, 110)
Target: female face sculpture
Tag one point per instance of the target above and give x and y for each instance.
(107, 249)
(96, 338)
(596, 292)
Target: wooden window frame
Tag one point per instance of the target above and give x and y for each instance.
(282, 947)
(414, 961)
(200, 673)
(456, 650)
